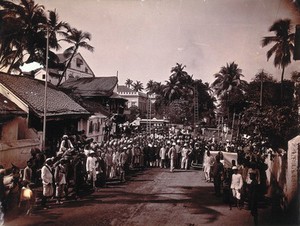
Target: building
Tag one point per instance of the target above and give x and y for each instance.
(99, 96)
(78, 68)
(133, 98)
(23, 112)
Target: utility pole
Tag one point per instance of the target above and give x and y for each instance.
(45, 94)
(261, 90)
(196, 107)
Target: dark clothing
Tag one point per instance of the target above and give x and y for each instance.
(253, 197)
(217, 171)
(2, 188)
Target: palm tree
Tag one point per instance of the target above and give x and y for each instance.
(128, 82)
(150, 86)
(180, 84)
(78, 39)
(22, 33)
(56, 27)
(228, 81)
(137, 86)
(227, 78)
(283, 45)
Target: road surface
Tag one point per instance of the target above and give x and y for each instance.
(151, 197)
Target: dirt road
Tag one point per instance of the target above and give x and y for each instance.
(151, 197)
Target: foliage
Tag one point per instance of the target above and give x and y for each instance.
(180, 90)
(77, 39)
(128, 83)
(23, 33)
(276, 124)
(180, 112)
(283, 45)
(138, 86)
(230, 88)
(134, 113)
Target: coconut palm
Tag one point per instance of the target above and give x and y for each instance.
(283, 45)
(128, 82)
(22, 33)
(227, 78)
(228, 82)
(77, 39)
(137, 86)
(150, 86)
(180, 84)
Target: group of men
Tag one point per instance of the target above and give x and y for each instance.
(94, 163)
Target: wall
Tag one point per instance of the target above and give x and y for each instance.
(292, 168)
(282, 174)
(16, 152)
(16, 142)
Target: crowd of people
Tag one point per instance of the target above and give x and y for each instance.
(81, 164)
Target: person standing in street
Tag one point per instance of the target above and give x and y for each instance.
(207, 163)
(172, 157)
(47, 180)
(60, 180)
(236, 186)
(218, 170)
(162, 155)
(91, 167)
(253, 196)
(185, 153)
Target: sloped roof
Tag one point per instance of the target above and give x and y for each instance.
(91, 87)
(94, 107)
(31, 91)
(122, 89)
(9, 107)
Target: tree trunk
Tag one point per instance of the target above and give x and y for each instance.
(65, 70)
(281, 85)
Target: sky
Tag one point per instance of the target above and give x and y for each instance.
(144, 39)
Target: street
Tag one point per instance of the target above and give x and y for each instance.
(151, 197)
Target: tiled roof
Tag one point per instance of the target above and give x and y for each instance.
(122, 89)
(94, 107)
(91, 87)
(9, 107)
(31, 91)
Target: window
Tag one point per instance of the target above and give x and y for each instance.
(43, 76)
(86, 70)
(91, 127)
(133, 103)
(79, 62)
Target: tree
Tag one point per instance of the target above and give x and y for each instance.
(23, 34)
(179, 85)
(295, 77)
(137, 86)
(128, 83)
(229, 87)
(283, 45)
(23, 37)
(276, 124)
(78, 39)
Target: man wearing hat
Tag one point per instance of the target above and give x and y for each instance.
(65, 144)
(91, 166)
(185, 153)
(172, 156)
(236, 185)
(47, 179)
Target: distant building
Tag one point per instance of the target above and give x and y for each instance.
(78, 68)
(133, 98)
